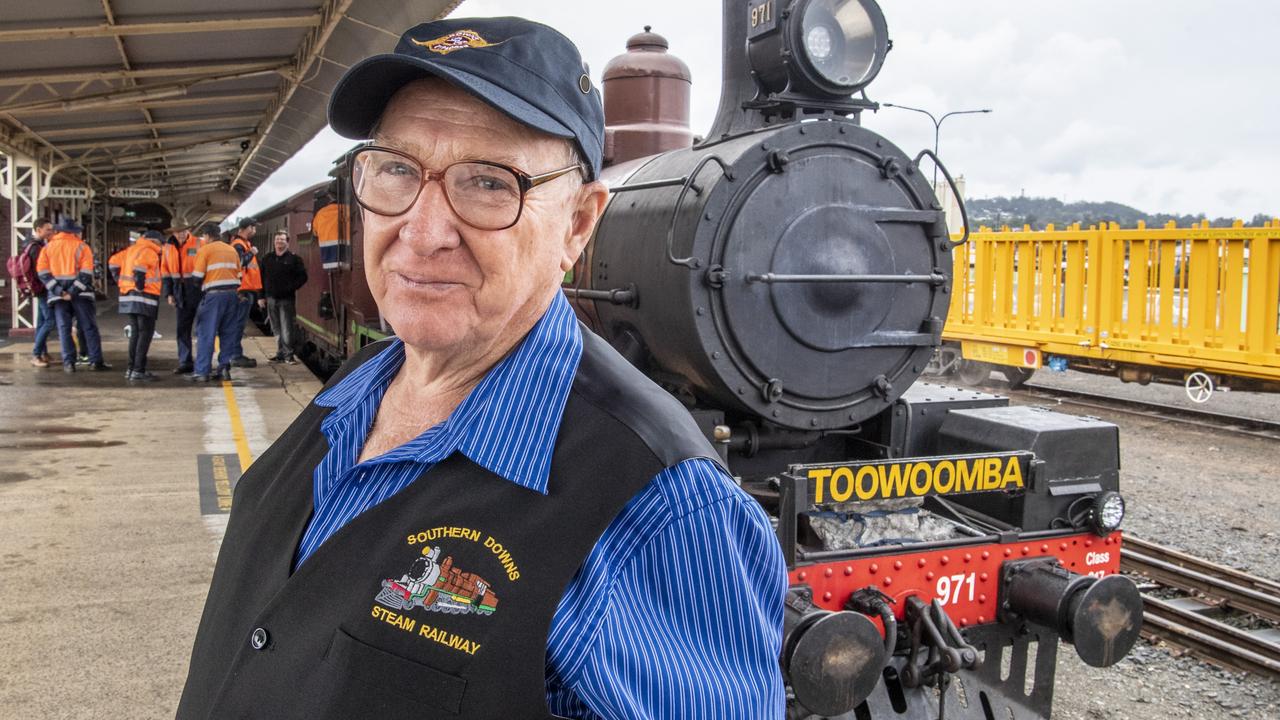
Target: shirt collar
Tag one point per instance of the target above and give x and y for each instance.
(508, 423)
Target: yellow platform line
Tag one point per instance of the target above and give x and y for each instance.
(237, 427)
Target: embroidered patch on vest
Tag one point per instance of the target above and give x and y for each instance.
(456, 40)
(434, 584)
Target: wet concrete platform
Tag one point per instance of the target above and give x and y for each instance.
(114, 498)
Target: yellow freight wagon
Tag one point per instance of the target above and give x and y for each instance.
(1198, 306)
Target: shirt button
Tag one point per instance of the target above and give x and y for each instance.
(258, 639)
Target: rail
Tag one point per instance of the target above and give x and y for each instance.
(1214, 590)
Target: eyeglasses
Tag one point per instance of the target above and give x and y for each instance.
(485, 195)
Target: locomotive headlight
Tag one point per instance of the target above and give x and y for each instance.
(816, 48)
(1107, 512)
(817, 41)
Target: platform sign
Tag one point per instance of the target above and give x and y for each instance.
(126, 193)
(69, 193)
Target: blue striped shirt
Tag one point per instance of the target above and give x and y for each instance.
(630, 638)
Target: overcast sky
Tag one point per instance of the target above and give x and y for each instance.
(1165, 105)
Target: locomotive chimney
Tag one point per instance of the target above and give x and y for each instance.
(736, 85)
(646, 100)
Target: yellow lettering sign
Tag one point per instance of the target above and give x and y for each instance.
(915, 478)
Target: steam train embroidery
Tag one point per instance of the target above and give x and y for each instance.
(438, 586)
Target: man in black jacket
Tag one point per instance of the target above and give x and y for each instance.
(282, 274)
(41, 231)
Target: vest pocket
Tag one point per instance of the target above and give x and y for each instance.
(360, 680)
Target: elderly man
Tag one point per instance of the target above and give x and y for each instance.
(491, 515)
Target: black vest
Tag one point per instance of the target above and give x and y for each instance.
(438, 601)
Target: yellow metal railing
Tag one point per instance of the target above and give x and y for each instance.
(1210, 296)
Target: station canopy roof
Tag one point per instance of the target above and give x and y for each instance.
(199, 99)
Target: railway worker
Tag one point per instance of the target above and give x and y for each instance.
(282, 275)
(598, 560)
(250, 286)
(180, 288)
(65, 267)
(217, 268)
(328, 224)
(139, 282)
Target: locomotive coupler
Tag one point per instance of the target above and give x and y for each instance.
(1101, 617)
(948, 652)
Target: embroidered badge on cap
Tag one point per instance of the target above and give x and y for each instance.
(456, 40)
(436, 585)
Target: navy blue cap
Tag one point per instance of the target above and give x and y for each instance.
(153, 235)
(68, 225)
(529, 71)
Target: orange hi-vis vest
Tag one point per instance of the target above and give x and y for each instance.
(217, 267)
(251, 280)
(66, 266)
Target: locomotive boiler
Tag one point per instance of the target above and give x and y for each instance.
(787, 277)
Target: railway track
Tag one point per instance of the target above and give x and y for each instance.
(1222, 615)
(1255, 427)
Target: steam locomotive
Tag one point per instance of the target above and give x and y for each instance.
(787, 277)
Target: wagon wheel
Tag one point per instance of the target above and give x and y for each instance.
(1199, 387)
(972, 372)
(1017, 376)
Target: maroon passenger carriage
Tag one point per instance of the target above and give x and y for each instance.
(787, 279)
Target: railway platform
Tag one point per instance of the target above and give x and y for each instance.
(114, 499)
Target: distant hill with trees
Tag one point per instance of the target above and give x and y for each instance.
(1040, 211)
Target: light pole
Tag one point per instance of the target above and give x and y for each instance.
(937, 127)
